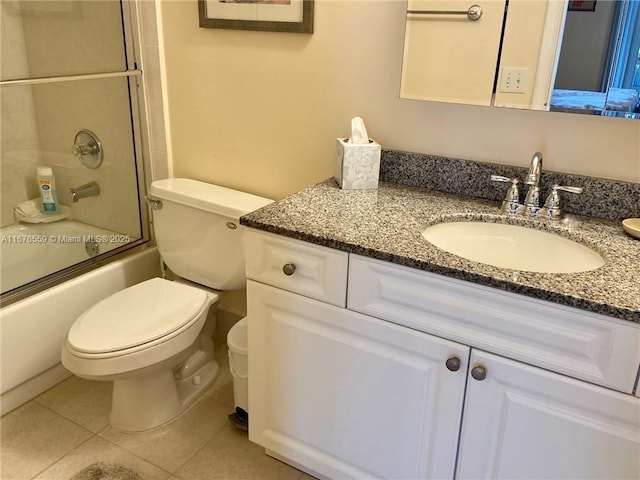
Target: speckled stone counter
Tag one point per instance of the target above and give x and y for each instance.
(386, 223)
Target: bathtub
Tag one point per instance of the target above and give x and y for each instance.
(32, 330)
(35, 250)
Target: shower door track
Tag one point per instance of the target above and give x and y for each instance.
(69, 78)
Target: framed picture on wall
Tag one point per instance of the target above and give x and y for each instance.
(582, 5)
(295, 16)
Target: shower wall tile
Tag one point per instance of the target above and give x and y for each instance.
(157, 126)
(102, 106)
(148, 23)
(151, 70)
(19, 145)
(72, 37)
(160, 166)
(155, 145)
(13, 57)
(17, 181)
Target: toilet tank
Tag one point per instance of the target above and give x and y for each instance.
(198, 233)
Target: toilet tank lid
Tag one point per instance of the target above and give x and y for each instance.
(206, 196)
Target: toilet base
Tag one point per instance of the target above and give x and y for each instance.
(144, 403)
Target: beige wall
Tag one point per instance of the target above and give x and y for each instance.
(260, 111)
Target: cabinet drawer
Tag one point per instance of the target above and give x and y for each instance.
(310, 270)
(580, 344)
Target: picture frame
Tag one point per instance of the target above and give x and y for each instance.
(582, 5)
(293, 16)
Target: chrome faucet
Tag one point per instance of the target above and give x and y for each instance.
(91, 189)
(532, 200)
(531, 207)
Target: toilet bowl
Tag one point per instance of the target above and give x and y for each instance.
(136, 338)
(154, 340)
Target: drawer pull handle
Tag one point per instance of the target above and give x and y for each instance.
(288, 269)
(453, 364)
(479, 372)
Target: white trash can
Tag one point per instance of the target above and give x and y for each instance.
(239, 367)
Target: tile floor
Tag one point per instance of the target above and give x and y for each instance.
(66, 428)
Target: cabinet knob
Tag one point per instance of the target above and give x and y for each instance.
(453, 364)
(479, 372)
(288, 269)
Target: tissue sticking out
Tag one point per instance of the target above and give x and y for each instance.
(357, 159)
(358, 132)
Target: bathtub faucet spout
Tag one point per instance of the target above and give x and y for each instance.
(90, 189)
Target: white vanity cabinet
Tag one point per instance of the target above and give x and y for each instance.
(338, 393)
(406, 374)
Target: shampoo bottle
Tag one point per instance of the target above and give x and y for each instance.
(47, 187)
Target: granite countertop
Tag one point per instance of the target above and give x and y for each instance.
(386, 223)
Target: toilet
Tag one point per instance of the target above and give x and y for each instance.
(153, 339)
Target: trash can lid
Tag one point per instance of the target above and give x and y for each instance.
(237, 337)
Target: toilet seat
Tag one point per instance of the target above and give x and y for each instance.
(136, 318)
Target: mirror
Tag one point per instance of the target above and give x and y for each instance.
(573, 56)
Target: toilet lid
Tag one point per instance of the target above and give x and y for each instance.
(136, 315)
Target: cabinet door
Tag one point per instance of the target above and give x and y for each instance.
(525, 422)
(344, 395)
(447, 57)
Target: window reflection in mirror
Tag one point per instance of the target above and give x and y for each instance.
(599, 66)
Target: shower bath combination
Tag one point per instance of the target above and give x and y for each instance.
(81, 115)
(96, 178)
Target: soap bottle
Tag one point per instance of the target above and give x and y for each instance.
(47, 187)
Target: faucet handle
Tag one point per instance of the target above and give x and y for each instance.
(552, 205)
(511, 202)
(500, 178)
(568, 188)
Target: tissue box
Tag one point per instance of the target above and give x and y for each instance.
(357, 165)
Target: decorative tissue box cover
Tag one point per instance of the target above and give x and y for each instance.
(357, 166)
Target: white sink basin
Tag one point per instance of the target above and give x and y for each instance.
(514, 247)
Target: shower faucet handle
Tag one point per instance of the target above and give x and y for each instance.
(88, 149)
(80, 149)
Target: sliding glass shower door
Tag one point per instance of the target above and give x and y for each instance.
(68, 97)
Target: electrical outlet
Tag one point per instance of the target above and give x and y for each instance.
(514, 80)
